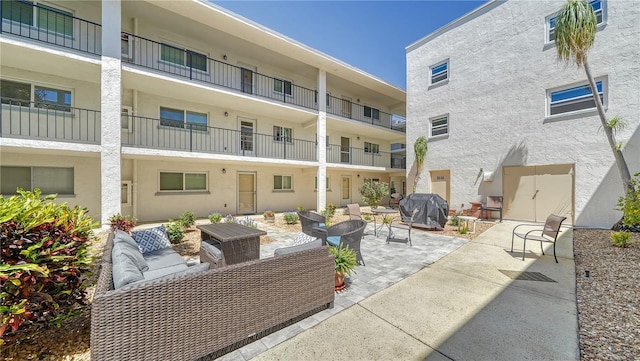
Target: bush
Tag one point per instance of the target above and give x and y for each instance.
(630, 206)
(291, 218)
(215, 217)
(454, 219)
(45, 261)
(123, 223)
(246, 221)
(372, 192)
(175, 231)
(187, 219)
(329, 212)
(620, 239)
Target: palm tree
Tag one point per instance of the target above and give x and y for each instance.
(420, 149)
(575, 32)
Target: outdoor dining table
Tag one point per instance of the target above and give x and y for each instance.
(386, 212)
(238, 243)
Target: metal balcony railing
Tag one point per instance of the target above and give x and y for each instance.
(194, 66)
(49, 25)
(359, 156)
(398, 163)
(46, 121)
(362, 113)
(150, 133)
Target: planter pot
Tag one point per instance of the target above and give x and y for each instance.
(339, 283)
(269, 219)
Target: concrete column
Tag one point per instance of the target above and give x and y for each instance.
(110, 107)
(322, 140)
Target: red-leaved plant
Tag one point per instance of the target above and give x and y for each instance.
(44, 261)
(123, 223)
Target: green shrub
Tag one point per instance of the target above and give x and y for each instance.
(620, 239)
(630, 206)
(175, 231)
(187, 219)
(45, 261)
(291, 218)
(454, 221)
(372, 192)
(215, 217)
(328, 212)
(463, 230)
(299, 208)
(123, 223)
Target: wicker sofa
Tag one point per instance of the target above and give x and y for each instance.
(203, 315)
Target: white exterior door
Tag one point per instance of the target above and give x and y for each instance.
(246, 193)
(345, 191)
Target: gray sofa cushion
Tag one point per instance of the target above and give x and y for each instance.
(124, 271)
(174, 272)
(213, 250)
(124, 249)
(298, 248)
(121, 236)
(165, 271)
(164, 257)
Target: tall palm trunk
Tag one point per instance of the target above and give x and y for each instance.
(617, 152)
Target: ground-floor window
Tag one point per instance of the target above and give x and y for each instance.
(49, 180)
(183, 181)
(328, 185)
(282, 182)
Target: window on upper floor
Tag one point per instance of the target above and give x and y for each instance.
(188, 58)
(439, 72)
(179, 118)
(50, 180)
(372, 113)
(282, 86)
(183, 181)
(439, 126)
(26, 94)
(282, 134)
(282, 183)
(371, 148)
(569, 100)
(598, 8)
(41, 16)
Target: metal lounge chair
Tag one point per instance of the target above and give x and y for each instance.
(549, 233)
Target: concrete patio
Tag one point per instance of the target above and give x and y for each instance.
(443, 298)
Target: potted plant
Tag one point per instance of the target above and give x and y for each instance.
(345, 264)
(269, 215)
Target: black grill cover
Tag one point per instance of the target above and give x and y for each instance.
(432, 210)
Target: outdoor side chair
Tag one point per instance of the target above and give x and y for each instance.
(549, 233)
(348, 233)
(309, 221)
(356, 213)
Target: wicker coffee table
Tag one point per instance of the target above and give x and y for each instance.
(238, 243)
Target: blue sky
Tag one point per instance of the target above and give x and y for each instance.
(370, 35)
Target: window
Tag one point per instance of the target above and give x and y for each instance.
(328, 185)
(282, 86)
(17, 93)
(282, 134)
(172, 54)
(439, 126)
(125, 193)
(439, 72)
(573, 99)
(370, 112)
(371, 148)
(50, 180)
(598, 8)
(282, 182)
(44, 17)
(177, 117)
(183, 182)
(377, 180)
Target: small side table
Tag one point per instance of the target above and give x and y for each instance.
(466, 219)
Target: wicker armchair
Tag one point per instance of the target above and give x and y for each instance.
(207, 314)
(309, 220)
(348, 233)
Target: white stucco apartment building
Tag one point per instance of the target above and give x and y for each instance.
(154, 108)
(504, 118)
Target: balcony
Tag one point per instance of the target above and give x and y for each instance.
(197, 67)
(358, 156)
(46, 121)
(347, 109)
(152, 133)
(48, 25)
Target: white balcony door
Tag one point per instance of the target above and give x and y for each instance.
(345, 145)
(247, 136)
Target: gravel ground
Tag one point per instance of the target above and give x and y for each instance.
(608, 301)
